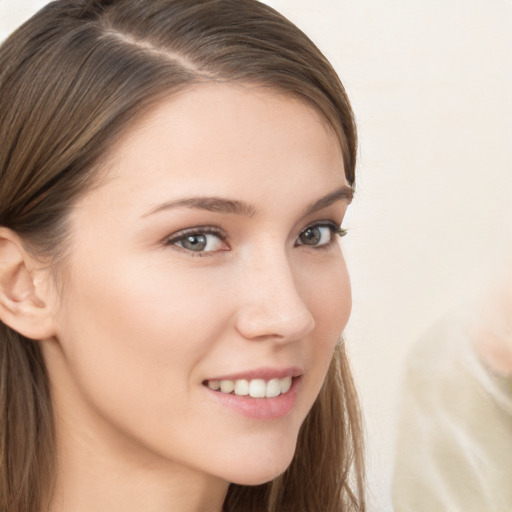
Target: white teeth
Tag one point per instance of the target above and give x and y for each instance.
(256, 388)
(227, 386)
(286, 384)
(241, 387)
(273, 388)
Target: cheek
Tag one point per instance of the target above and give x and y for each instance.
(330, 301)
(143, 319)
(131, 332)
(329, 298)
(130, 344)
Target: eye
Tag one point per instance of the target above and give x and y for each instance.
(320, 235)
(199, 241)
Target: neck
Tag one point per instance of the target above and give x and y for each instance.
(96, 481)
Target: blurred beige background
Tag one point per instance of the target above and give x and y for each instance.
(431, 85)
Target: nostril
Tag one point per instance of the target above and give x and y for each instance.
(267, 322)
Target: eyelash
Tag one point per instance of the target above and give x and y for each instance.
(196, 232)
(335, 229)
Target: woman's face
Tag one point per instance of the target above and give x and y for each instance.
(207, 254)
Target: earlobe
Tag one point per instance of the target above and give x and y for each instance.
(23, 306)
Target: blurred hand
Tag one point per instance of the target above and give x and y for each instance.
(494, 328)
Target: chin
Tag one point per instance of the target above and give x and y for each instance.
(263, 468)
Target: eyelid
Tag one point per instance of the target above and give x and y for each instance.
(336, 230)
(326, 223)
(171, 240)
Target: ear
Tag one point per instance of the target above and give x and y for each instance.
(25, 297)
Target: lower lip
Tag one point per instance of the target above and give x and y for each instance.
(260, 408)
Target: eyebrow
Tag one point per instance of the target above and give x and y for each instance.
(210, 204)
(344, 193)
(221, 205)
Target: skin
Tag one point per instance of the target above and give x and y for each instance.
(140, 321)
(493, 326)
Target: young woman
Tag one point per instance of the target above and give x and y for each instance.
(174, 175)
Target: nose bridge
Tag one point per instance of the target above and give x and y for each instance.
(272, 305)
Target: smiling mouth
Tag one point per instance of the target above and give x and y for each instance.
(254, 388)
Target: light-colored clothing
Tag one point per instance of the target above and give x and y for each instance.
(454, 438)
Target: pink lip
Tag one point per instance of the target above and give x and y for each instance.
(263, 373)
(259, 408)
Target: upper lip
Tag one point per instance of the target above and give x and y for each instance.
(265, 373)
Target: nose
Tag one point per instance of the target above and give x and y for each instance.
(271, 306)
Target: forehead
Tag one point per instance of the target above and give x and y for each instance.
(230, 139)
(225, 118)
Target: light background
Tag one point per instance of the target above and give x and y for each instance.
(430, 82)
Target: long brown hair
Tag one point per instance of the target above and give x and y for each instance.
(72, 79)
